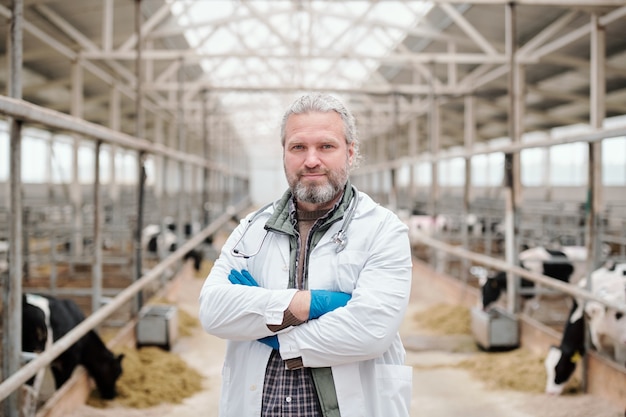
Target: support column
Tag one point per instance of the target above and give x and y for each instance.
(206, 214)
(381, 152)
(469, 139)
(438, 257)
(392, 147)
(114, 123)
(75, 189)
(512, 181)
(96, 269)
(413, 149)
(435, 137)
(597, 114)
(182, 146)
(12, 287)
(141, 171)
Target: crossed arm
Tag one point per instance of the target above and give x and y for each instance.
(305, 305)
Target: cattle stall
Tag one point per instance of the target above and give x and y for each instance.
(79, 241)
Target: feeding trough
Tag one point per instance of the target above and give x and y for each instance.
(495, 329)
(157, 326)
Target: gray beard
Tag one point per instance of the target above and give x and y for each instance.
(315, 194)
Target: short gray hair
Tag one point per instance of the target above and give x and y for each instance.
(324, 103)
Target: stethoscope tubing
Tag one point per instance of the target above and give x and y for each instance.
(340, 237)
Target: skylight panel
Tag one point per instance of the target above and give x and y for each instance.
(217, 9)
(221, 42)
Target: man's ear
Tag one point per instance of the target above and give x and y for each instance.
(350, 153)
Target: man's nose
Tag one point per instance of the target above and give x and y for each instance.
(312, 158)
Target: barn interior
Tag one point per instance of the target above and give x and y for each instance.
(488, 126)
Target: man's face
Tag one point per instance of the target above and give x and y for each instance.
(316, 158)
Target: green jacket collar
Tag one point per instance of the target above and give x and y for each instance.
(283, 218)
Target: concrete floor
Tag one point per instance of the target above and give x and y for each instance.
(438, 391)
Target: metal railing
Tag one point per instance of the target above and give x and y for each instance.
(570, 289)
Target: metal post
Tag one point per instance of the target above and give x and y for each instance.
(469, 138)
(391, 153)
(206, 151)
(114, 123)
(76, 191)
(594, 181)
(435, 137)
(139, 126)
(12, 294)
(435, 133)
(180, 121)
(96, 268)
(413, 139)
(511, 161)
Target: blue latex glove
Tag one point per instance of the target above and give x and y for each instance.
(323, 301)
(271, 341)
(242, 278)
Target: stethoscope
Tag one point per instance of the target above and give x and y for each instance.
(339, 238)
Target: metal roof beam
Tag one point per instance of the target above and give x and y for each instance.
(563, 3)
(191, 55)
(147, 26)
(469, 29)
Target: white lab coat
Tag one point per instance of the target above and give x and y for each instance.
(359, 341)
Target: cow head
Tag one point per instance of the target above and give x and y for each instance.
(559, 366)
(492, 288)
(34, 329)
(106, 372)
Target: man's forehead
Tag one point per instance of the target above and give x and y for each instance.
(315, 124)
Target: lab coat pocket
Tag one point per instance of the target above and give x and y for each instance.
(395, 383)
(333, 271)
(350, 263)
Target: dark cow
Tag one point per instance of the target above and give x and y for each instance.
(152, 238)
(607, 327)
(553, 263)
(58, 317)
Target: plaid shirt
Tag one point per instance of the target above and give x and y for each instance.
(291, 393)
(288, 393)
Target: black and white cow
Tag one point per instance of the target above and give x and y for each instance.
(558, 264)
(36, 318)
(46, 319)
(153, 240)
(607, 327)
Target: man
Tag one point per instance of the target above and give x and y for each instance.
(310, 291)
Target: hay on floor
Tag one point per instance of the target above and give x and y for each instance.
(151, 376)
(445, 319)
(519, 370)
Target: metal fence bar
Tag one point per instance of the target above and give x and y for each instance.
(28, 112)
